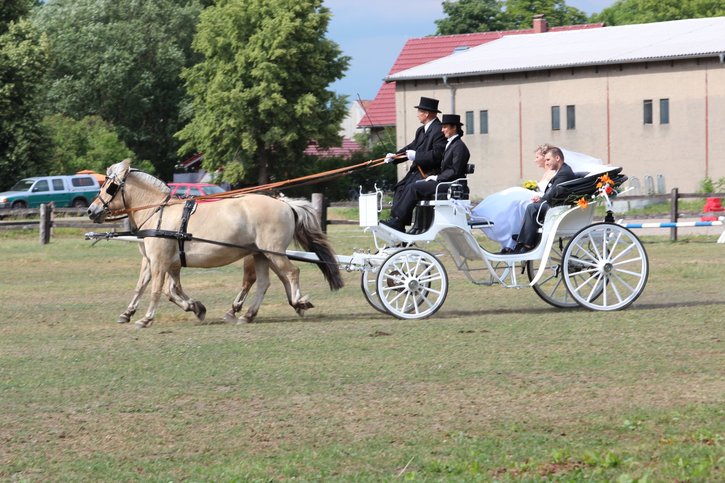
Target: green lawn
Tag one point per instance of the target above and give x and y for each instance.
(496, 386)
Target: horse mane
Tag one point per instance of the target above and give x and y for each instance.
(150, 180)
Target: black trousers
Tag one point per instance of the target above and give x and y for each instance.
(535, 213)
(410, 195)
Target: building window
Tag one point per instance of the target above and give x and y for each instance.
(648, 111)
(469, 122)
(571, 117)
(484, 122)
(664, 111)
(555, 118)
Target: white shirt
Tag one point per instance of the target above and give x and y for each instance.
(427, 125)
(450, 139)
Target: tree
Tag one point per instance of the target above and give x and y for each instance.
(645, 11)
(519, 13)
(469, 16)
(90, 143)
(121, 60)
(23, 57)
(260, 94)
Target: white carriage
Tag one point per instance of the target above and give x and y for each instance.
(600, 266)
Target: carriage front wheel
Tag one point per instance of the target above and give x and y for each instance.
(605, 267)
(412, 284)
(368, 284)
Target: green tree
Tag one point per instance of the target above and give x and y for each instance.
(23, 57)
(469, 16)
(519, 13)
(90, 143)
(121, 60)
(260, 94)
(626, 12)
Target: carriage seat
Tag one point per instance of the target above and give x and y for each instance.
(452, 190)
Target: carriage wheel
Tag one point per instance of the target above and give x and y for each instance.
(605, 267)
(368, 283)
(412, 284)
(551, 287)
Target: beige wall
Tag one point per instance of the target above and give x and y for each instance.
(609, 120)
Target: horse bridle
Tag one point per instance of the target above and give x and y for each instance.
(112, 188)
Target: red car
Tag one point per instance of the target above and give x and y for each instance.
(188, 190)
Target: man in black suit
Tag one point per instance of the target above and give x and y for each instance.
(425, 153)
(529, 235)
(454, 166)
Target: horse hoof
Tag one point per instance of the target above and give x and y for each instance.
(123, 319)
(143, 323)
(229, 318)
(200, 311)
(245, 319)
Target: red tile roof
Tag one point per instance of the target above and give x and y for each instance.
(417, 51)
(343, 151)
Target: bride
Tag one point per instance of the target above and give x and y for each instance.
(506, 208)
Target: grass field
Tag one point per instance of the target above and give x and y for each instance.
(497, 386)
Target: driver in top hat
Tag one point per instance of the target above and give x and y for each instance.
(425, 153)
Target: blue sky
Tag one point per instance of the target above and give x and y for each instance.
(372, 32)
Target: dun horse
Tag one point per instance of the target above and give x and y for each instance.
(222, 231)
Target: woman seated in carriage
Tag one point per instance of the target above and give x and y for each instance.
(505, 210)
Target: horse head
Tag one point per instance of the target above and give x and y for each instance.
(124, 190)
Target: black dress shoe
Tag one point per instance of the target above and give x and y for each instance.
(393, 223)
(521, 248)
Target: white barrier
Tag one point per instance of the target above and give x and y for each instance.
(678, 224)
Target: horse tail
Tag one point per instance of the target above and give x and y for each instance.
(311, 237)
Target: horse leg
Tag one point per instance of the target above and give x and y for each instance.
(180, 298)
(158, 277)
(144, 278)
(290, 277)
(250, 276)
(261, 268)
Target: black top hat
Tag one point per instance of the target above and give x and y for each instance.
(451, 119)
(428, 104)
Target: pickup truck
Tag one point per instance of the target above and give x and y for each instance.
(76, 191)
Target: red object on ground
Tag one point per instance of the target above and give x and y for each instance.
(711, 208)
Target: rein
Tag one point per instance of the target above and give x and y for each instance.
(301, 181)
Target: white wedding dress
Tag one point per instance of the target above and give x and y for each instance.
(506, 208)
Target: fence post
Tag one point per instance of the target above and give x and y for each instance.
(46, 214)
(673, 213)
(318, 203)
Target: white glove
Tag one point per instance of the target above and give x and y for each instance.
(389, 158)
(432, 178)
(411, 154)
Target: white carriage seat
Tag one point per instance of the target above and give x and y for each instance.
(455, 191)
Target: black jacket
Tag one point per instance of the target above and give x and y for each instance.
(428, 146)
(455, 161)
(565, 173)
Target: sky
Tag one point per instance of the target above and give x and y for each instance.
(372, 33)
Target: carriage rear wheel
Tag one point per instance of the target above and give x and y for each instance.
(605, 267)
(368, 284)
(551, 287)
(412, 284)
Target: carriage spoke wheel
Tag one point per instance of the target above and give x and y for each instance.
(368, 284)
(412, 284)
(605, 267)
(551, 287)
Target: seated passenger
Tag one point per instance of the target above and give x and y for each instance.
(536, 211)
(505, 209)
(453, 166)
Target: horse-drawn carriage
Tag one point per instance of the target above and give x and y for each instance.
(597, 265)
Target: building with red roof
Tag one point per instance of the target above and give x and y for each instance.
(417, 51)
